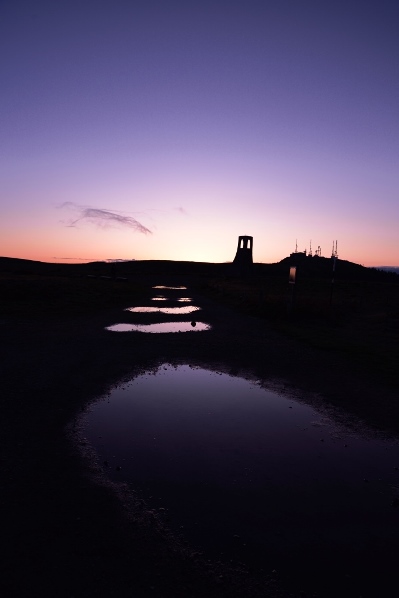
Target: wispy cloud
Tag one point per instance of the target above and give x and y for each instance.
(75, 259)
(181, 210)
(92, 259)
(102, 218)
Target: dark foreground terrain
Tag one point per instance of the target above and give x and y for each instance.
(65, 531)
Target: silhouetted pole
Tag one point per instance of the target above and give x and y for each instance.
(291, 283)
(332, 280)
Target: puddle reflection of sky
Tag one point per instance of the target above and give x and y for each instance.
(180, 299)
(247, 473)
(170, 288)
(161, 327)
(187, 309)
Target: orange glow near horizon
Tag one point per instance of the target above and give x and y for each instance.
(273, 123)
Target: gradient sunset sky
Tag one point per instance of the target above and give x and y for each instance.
(164, 129)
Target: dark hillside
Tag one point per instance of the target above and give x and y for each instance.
(322, 267)
(308, 267)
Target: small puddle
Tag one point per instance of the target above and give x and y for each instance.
(170, 288)
(180, 299)
(187, 309)
(160, 327)
(247, 474)
(163, 327)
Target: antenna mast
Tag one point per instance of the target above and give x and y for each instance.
(334, 252)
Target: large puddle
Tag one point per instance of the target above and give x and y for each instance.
(248, 475)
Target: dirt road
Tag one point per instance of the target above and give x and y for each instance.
(65, 533)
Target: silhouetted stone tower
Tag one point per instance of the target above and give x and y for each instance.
(243, 260)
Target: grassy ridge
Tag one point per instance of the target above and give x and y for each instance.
(360, 319)
(27, 296)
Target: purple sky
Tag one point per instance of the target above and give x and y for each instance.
(164, 130)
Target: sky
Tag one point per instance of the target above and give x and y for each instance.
(165, 129)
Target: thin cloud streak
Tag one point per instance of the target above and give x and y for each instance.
(80, 259)
(182, 210)
(92, 259)
(103, 218)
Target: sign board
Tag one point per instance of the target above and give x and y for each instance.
(292, 277)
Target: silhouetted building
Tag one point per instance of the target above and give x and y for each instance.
(243, 261)
(298, 257)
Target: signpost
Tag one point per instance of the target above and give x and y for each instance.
(332, 279)
(291, 282)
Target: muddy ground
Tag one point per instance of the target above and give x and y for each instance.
(66, 532)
